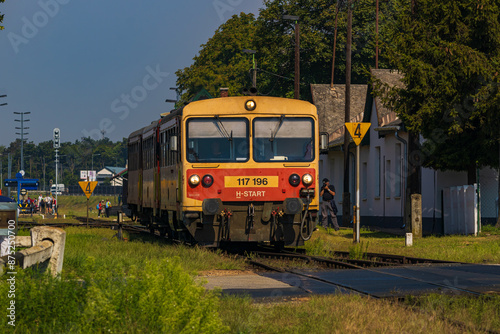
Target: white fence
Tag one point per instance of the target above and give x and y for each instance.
(460, 210)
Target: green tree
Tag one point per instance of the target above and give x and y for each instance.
(1, 16)
(276, 42)
(449, 52)
(221, 62)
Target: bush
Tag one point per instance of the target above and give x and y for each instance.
(155, 298)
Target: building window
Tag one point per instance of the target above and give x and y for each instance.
(364, 180)
(397, 171)
(377, 172)
(388, 179)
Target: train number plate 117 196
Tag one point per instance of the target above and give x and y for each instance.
(251, 181)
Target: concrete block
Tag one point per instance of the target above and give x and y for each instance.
(58, 238)
(23, 241)
(409, 239)
(35, 255)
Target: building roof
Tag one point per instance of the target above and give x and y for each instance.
(111, 170)
(331, 104)
(331, 107)
(389, 78)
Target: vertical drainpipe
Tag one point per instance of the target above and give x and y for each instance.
(405, 171)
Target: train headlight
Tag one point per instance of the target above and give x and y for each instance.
(307, 179)
(294, 180)
(250, 105)
(194, 180)
(207, 180)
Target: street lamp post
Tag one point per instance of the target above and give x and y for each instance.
(1, 155)
(93, 162)
(297, 53)
(254, 73)
(1, 173)
(22, 133)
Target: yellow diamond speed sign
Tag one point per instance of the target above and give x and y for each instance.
(88, 187)
(357, 131)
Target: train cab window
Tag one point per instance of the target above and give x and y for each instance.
(217, 139)
(278, 139)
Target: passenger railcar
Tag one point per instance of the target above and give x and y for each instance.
(238, 169)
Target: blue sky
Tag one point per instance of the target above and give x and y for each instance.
(88, 66)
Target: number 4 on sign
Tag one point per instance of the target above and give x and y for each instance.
(357, 131)
(88, 187)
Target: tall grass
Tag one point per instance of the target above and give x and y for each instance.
(109, 285)
(330, 314)
(153, 298)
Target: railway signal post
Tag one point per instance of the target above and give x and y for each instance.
(357, 132)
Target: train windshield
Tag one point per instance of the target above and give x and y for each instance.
(283, 138)
(217, 139)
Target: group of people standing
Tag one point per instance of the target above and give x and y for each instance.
(47, 204)
(103, 205)
(42, 204)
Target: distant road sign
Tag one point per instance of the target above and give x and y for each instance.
(24, 192)
(88, 187)
(357, 131)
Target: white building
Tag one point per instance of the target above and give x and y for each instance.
(383, 161)
(107, 173)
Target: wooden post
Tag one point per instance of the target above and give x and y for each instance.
(416, 215)
(87, 212)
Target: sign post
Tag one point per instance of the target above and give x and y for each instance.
(88, 188)
(57, 135)
(357, 132)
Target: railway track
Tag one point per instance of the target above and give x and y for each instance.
(364, 265)
(92, 223)
(387, 260)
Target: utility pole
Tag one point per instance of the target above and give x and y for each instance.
(254, 71)
(414, 186)
(1, 155)
(346, 197)
(57, 137)
(376, 36)
(9, 170)
(335, 43)
(297, 54)
(1, 173)
(22, 133)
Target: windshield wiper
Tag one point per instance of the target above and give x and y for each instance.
(278, 127)
(223, 129)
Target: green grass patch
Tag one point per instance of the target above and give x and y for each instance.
(330, 314)
(484, 248)
(106, 252)
(476, 312)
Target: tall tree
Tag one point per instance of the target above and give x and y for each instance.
(317, 28)
(221, 62)
(449, 52)
(1, 16)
